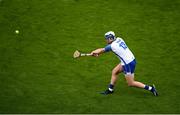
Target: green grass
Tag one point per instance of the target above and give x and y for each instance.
(39, 75)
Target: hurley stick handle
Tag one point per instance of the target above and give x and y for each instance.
(86, 55)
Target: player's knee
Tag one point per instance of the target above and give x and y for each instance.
(114, 72)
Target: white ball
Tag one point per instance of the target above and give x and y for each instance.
(17, 31)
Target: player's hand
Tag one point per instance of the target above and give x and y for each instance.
(93, 53)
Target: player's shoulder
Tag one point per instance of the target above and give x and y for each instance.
(118, 38)
(116, 42)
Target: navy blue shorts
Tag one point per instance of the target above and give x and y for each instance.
(129, 68)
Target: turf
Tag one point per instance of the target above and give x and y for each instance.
(39, 75)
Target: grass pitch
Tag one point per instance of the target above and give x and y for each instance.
(39, 75)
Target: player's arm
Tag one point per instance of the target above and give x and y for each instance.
(99, 51)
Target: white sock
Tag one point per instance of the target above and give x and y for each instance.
(150, 88)
(110, 89)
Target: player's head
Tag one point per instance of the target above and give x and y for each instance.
(110, 36)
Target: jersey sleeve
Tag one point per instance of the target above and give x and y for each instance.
(108, 48)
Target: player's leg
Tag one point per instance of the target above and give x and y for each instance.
(129, 75)
(115, 72)
(131, 82)
(118, 69)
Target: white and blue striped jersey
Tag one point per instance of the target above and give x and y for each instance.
(120, 48)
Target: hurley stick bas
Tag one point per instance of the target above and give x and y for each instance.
(78, 54)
